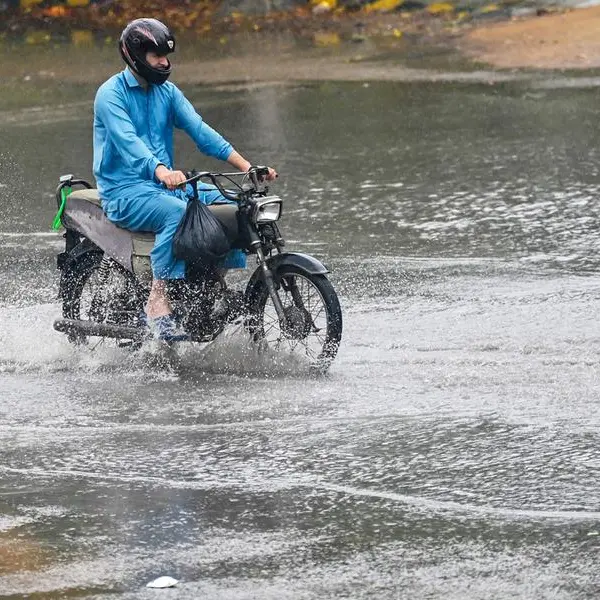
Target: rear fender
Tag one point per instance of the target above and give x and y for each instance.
(84, 247)
(88, 219)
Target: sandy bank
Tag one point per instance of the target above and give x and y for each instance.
(569, 40)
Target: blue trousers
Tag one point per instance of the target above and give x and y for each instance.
(149, 206)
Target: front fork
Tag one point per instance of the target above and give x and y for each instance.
(270, 283)
(284, 323)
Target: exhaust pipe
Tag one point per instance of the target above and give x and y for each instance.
(107, 330)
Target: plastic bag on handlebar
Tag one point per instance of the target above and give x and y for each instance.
(200, 239)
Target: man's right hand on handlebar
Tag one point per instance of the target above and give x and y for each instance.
(272, 174)
(171, 179)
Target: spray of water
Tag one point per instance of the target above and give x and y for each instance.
(28, 343)
(234, 352)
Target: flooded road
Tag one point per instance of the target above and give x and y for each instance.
(452, 449)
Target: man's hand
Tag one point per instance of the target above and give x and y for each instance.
(171, 179)
(272, 174)
(241, 164)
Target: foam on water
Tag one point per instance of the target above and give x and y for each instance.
(33, 234)
(31, 241)
(275, 483)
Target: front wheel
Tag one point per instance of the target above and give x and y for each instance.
(313, 317)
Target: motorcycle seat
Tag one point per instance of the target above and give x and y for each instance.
(144, 240)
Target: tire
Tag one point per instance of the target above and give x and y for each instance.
(316, 325)
(81, 283)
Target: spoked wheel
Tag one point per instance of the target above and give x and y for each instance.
(313, 317)
(99, 290)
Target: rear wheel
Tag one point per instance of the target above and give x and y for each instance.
(313, 317)
(99, 290)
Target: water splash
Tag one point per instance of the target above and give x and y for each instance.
(235, 353)
(28, 343)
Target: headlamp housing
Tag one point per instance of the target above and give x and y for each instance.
(267, 209)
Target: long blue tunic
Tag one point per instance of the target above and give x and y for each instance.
(133, 134)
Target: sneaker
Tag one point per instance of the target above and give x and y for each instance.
(166, 329)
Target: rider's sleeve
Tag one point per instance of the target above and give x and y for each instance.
(111, 109)
(206, 138)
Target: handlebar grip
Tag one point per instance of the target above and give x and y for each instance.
(260, 171)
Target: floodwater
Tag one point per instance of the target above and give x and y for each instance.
(452, 449)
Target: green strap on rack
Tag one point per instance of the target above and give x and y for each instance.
(56, 224)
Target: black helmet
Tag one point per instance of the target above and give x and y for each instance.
(142, 36)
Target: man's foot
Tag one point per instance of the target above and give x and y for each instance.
(166, 329)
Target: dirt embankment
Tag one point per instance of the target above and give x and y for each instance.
(559, 40)
(569, 40)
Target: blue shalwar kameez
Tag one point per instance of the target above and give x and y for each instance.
(133, 134)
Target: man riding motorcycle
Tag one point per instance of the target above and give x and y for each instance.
(135, 112)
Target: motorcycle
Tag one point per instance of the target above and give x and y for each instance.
(288, 302)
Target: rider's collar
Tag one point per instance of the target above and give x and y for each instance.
(133, 80)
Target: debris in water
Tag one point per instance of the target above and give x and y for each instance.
(163, 582)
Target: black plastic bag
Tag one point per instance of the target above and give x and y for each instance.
(201, 239)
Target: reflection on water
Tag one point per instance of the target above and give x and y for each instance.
(451, 451)
(516, 179)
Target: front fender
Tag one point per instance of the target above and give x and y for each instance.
(302, 262)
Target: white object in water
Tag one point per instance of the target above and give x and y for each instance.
(163, 582)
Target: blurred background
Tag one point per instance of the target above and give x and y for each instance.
(442, 160)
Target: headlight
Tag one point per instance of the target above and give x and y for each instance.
(267, 209)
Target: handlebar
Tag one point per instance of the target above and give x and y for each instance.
(256, 175)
